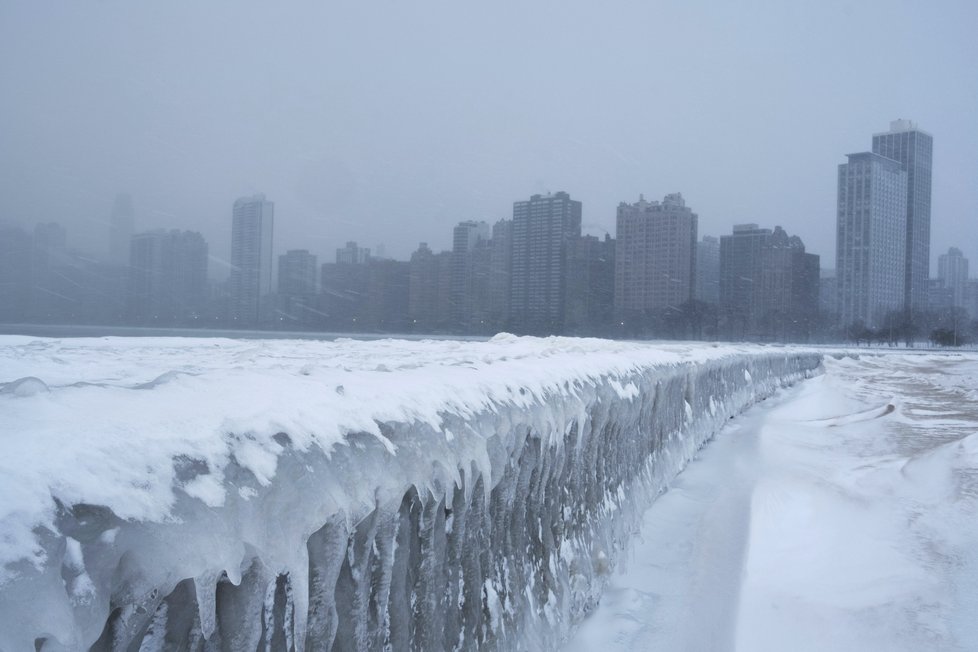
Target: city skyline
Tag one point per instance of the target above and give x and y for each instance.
(471, 131)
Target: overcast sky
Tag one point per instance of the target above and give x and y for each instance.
(388, 122)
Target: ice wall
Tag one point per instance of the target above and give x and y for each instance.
(493, 526)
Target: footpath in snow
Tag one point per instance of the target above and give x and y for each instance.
(840, 515)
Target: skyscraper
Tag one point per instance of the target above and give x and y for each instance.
(913, 148)
(769, 285)
(470, 274)
(655, 258)
(544, 230)
(952, 270)
(121, 226)
(251, 257)
(708, 270)
(297, 271)
(871, 238)
(167, 277)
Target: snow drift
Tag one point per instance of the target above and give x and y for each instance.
(174, 494)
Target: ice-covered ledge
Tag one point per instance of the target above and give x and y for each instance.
(338, 495)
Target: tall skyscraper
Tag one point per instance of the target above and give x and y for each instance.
(121, 225)
(251, 258)
(913, 148)
(167, 277)
(655, 260)
(544, 230)
(952, 271)
(871, 238)
(352, 254)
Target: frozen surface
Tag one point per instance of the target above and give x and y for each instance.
(840, 516)
(158, 493)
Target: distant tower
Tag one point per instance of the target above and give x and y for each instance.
(871, 238)
(121, 225)
(913, 148)
(708, 270)
(545, 229)
(470, 242)
(952, 270)
(167, 277)
(251, 257)
(655, 260)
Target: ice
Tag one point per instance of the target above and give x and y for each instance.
(168, 491)
(842, 515)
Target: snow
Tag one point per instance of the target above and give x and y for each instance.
(132, 466)
(842, 515)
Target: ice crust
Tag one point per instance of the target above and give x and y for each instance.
(190, 494)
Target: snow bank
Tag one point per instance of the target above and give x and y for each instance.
(434, 495)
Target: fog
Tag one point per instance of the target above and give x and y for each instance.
(387, 123)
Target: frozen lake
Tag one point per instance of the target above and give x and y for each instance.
(840, 515)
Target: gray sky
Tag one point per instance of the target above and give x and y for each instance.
(391, 121)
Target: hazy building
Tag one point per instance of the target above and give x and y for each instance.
(297, 279)
(769, 285)
(15, 273)
(940, 298)
(970, 303)
(828, 296)
(351, 254)
(297, 272)
(591, 286)
(122, 224)
(428, 290)
(54, 296)
(952, 270)
(655, 260)
(167, 277)
(871, 237)
(500, 273)
(387, 303)
(913, 148)
(470, 275)
(708, 270)
(544, 229)
(251, 258)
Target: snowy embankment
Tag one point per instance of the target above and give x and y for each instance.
(842, 515)
(339, 495)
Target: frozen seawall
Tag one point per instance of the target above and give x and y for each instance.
(205, 494)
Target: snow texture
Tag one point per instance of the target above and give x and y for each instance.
(190, 494)
(842, 515)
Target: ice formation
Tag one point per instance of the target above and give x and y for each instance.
(173, 494)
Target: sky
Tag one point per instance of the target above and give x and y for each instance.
(389, 122)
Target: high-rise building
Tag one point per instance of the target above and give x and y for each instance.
(15, 273)
(351, 254)
(769, 285)
(952, 270)
(871, 239)
(251, 258)
(655, 260)
(428, 290)
(913, 148)
(544, 230)
(500, 273)
(591, 286)
(167, 277)
(470, 274)
(297, 270)
(297, 299)
(708, 270)
(121, 226)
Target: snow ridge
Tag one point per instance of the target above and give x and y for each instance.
(478, 497)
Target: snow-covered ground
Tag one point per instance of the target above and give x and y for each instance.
(156, 492)
(840, 515)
